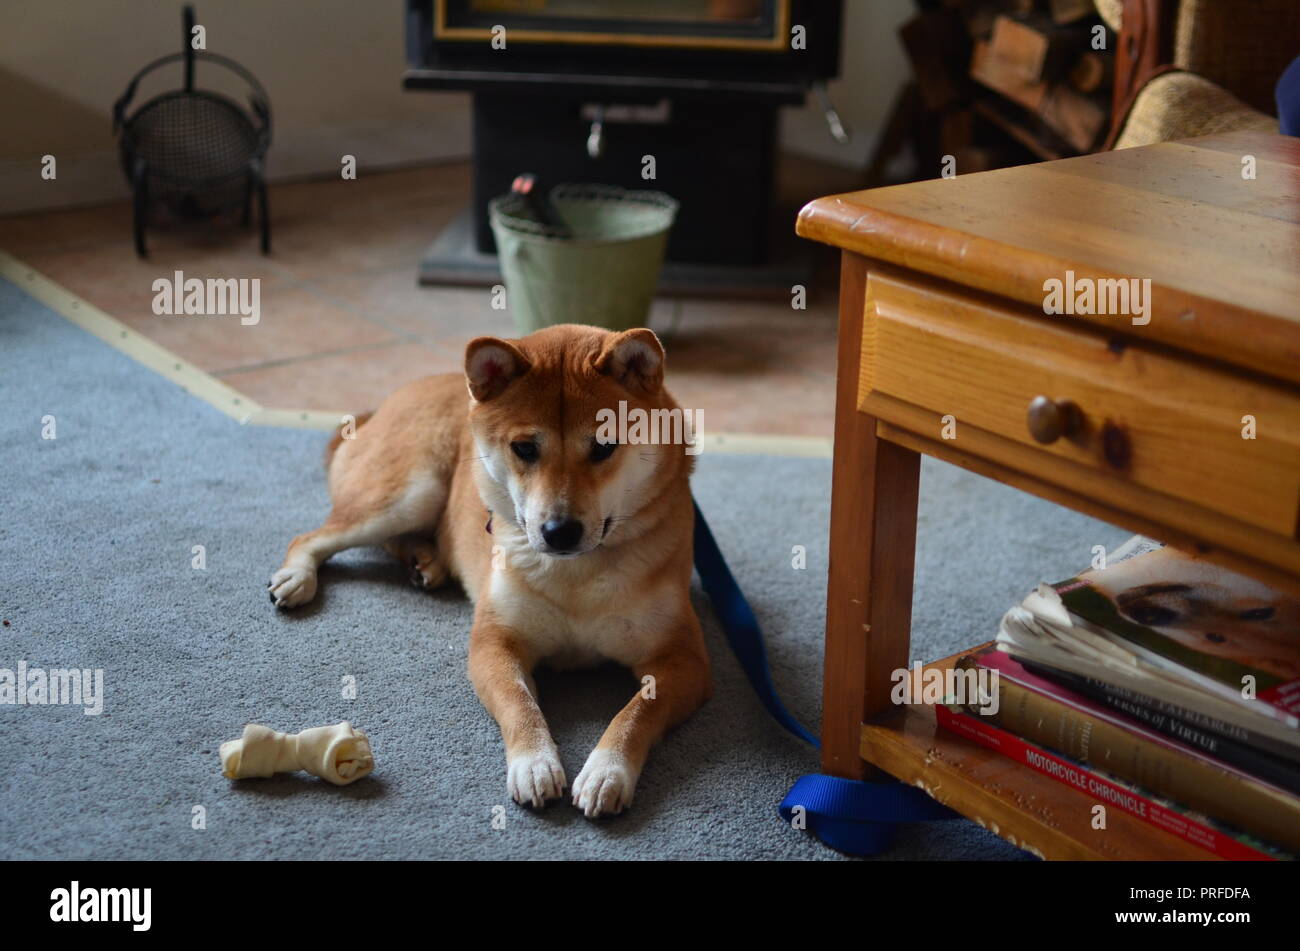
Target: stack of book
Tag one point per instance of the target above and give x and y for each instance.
(1163, 686)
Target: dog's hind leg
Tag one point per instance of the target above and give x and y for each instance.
(373, 518)
(420, 554)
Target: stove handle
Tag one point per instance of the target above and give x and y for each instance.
(596, 137)
(839, 132)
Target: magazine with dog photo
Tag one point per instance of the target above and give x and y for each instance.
(1176, 628)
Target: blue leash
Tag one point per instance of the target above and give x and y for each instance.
(851, 816)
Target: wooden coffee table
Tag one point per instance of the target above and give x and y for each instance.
(943, 334)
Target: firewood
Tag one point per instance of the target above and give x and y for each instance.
(1027, 131)
(1038, 51)
(956, 131)
(976, 158)
(998, 75)
(1068, 11)
(1092, 71)
(937, 46)
(979, 19)
(1073, 116)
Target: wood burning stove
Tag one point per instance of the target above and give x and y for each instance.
(698, 24)
(675, 95)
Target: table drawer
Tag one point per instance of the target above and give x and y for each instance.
(1172, 424)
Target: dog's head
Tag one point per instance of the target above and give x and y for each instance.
(1197, 604)
(540, 414)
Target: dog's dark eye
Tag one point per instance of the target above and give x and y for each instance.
(1215, 638)
(1152, 615)
(525, 450)
(1256, 614)
(602, 450)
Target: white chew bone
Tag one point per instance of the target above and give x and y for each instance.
(336, 753)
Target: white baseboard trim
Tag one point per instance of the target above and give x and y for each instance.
(248, 411)
(93, 178)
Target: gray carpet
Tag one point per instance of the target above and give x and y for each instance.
(96, 532)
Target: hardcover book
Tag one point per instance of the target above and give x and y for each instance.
(1105, 789)
(1065, 723)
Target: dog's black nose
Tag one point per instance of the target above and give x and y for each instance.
(562, 534)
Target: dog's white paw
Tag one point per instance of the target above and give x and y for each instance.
(605, 785)
(533, 778)
(291, 587)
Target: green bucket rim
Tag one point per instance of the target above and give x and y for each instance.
(502, 210)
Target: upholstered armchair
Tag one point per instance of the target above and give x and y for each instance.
(1185, 68)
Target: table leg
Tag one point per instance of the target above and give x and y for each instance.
(872, 553)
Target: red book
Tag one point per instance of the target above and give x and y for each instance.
(1235, 758)
(1104, 789)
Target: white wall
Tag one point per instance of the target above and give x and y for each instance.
(332, 69)
(873, 67)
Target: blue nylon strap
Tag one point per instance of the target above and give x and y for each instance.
(740, 625)
(857, 817)
(851, 816)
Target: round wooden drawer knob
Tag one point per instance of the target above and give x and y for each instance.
(1049, 419)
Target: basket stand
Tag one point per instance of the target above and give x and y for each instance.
(194, 151)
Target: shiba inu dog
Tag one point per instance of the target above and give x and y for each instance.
(574, 549)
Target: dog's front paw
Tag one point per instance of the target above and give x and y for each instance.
(535, 777)
(291, 587)
(605, 785)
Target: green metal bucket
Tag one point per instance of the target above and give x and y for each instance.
(603, 273)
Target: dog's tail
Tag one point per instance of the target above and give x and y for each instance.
(348, 427)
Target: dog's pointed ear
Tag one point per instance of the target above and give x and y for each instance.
(491, 365)
(634, 358)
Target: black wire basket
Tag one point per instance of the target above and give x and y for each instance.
(192, 151)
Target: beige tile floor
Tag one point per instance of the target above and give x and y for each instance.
(344, 321)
